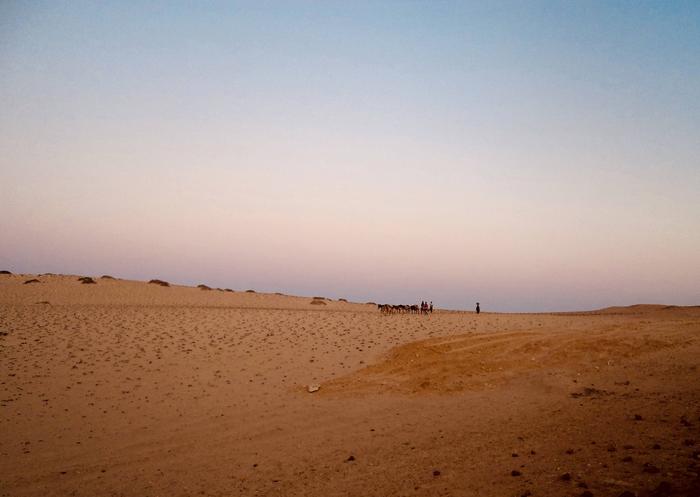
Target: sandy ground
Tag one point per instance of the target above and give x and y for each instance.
(125, 388)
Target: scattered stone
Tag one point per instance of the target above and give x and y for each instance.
(515, 472)
(315, 387)
(436, 473)
(638, 417)
(350, 459)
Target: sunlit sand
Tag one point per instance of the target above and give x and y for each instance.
(130, 388)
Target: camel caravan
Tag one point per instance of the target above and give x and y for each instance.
(423, 308)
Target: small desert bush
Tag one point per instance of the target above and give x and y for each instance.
(5, 272)
(107, 277)
(370, 303)
(203, 287)
(34, 280)
(228, 290)
(250, 291)
(86, 280)
(159, 282)
(342, 300)
(317, 302)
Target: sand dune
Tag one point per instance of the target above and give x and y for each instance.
(129, 388)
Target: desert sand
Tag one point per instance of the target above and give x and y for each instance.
(124, 388)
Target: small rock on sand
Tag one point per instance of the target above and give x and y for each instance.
(313, 388)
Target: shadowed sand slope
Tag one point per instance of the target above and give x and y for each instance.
(475, 360)
(127, 388)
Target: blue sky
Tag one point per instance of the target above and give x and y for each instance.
(529, 155)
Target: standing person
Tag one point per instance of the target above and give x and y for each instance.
(478, 309)
(431, 307)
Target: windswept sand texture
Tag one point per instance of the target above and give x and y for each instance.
(125, 388)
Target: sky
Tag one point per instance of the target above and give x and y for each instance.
(532, 156)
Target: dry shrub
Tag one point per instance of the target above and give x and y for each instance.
(342, 300)
(370, 303)
(228, 290)
(159, 282)
(5, 272)
(203, 287)
(317, 302)
(250, 291)
(34, 280)
(86, 280)
(107, 277)
(320, 298)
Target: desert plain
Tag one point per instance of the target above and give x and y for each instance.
(125, 388)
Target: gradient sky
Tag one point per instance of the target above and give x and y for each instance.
(528, 155)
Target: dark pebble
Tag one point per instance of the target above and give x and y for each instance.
(565, 477)
(587, 493)
(663, 490)
(350, 459)
(656, 447)
(436, 473)
(627, 459)
(570, 451)
(637, 417)
(515, 472)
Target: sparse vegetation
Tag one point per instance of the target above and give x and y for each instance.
(317, 302)
(159, 282)
(107, 277)
(5, 272)
(320, 298)
(203, 287)
(228, 290)
(370, 303)
(86, 280)
(33, 280)
(250, 291)
(342, 300)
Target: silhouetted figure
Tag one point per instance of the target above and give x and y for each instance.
(431, 307)
(478, 309)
